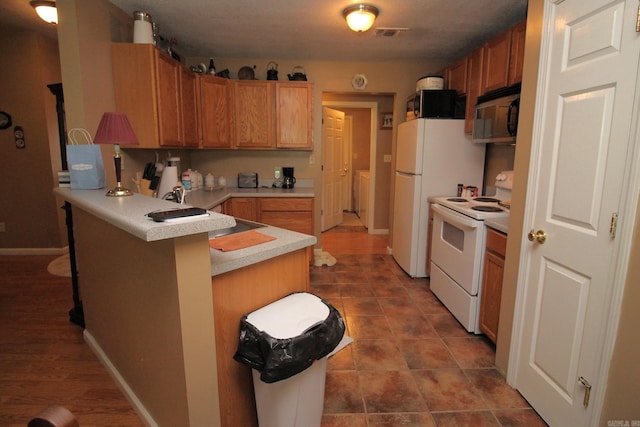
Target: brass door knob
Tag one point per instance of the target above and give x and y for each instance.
(537, 236)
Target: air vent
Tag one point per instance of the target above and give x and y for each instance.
(390, 32)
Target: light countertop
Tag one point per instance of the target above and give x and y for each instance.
(208, 199)
(500, 224)
(128, 213)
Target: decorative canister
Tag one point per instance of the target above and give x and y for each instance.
(142, 28)
(430, 83)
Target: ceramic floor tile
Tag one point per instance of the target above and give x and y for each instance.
(465, 419)
(390, 391)
(342, 393)
(377, 355)
(401, 306)
(397, 420)
(472, 352)
(342, 360)
(344, 420)
(519, 418)
(384, 277)
(352, 277)
(428, 303)
(447, 326)
(358, 290)
(325, 291)
(495, 390)
(320, 277)
(426, 354)
(368, 327)
(389, 290)
(448, 390)
(411, 327)
(362, 307)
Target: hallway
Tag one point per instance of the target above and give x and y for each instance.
(411, 364)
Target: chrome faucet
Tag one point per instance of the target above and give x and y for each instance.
(177, 194)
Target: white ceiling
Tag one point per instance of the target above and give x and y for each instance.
(439, 30)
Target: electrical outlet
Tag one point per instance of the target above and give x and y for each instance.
(312, 159)
(387, 158)
(2, 227)
(276, 173)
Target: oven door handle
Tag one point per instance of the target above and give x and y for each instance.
(456, 218)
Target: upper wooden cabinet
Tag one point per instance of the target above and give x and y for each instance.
(293, 115)
(253, 114)
(516, 59)
(474, 87)
(503, 58)
(457, 76)
(215, 112)
(157, 94)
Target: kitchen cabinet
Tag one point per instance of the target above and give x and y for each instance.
(492, 283)
(293, 115)
(157, 94)
(253, 114)
(457, 76)
(245, 208)
(516, 58)
(503, 59)
(474, 87)
(215, 112)
(291, 213)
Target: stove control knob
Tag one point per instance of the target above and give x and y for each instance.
(538, 236)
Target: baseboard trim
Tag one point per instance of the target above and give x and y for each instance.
(34, 251)
(122, 384)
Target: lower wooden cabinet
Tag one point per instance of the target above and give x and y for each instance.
(492, 283)
(290, 213)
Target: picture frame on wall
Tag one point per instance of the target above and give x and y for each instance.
(386, 120)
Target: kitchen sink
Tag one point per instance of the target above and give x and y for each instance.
(241, 225)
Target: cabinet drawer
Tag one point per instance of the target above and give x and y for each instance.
(496, 242)
(286, 204)
(302, 222)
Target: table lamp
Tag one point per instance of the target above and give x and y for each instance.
(114, 128)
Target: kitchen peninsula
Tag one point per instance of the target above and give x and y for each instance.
(162, 309)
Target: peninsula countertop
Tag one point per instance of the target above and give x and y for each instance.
(129, 214)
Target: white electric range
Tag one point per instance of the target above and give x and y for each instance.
(458, 245)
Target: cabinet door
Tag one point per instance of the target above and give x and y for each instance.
(516, 59)
(134, 89)
(474, 84)
(189, 107)
(293, 115)
(492, 283)
(215, 117)
(458, 76)
(253, 110)
(245, 207)
(168, 98)
(295, 213)
(496, 62)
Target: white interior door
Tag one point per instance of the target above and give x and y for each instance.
(332, 167)
(347, 182)
(581, 139)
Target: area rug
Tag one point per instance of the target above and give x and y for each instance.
(60, 266)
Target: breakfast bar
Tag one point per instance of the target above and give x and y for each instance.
(162, 308)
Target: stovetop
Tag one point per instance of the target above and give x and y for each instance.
(479, 208)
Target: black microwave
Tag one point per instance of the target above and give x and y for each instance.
(496, 117)
(442, 104)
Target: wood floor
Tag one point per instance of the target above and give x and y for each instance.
(43, 357)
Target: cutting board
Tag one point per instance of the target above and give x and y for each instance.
(239, 240)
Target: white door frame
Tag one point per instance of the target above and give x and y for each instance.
(347, 136)
(373, 106)
(624, 236)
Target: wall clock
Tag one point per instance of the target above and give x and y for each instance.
(5, 120)
(359, 81)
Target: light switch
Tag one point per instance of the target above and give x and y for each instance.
(387, 158)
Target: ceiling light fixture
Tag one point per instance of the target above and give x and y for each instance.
(46, 10)
(360, 17)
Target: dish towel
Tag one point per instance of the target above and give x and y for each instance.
(239, 241)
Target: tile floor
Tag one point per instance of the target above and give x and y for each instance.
(411, 363)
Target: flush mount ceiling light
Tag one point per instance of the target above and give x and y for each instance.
(360, 17)
(46, 10)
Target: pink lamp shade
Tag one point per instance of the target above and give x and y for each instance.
(114, 128)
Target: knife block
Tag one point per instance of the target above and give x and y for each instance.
(144, 187)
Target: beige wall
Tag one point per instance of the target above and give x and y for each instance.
(28, 208)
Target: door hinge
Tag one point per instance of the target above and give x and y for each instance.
(614, 225)
(587, 390)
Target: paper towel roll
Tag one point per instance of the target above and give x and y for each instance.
(169, 180)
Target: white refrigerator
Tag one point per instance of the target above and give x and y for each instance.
(433, 156)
